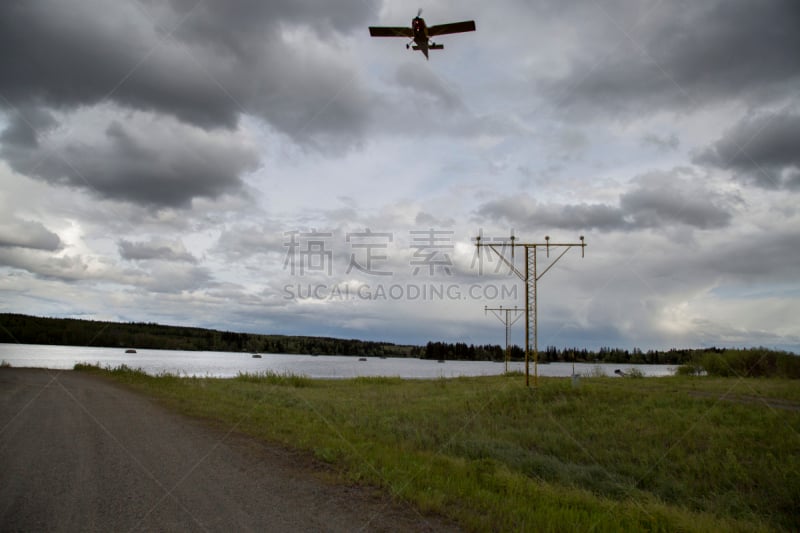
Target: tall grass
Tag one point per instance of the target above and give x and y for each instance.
(611, 455)
(119, 371)
(275, 378)
(123, 372)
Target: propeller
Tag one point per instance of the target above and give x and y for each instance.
(419, 12)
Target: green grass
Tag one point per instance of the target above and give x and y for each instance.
(610, 455)
(270, 377)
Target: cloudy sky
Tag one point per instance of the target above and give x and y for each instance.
(268, 167)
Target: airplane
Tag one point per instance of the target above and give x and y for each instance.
(420, 33)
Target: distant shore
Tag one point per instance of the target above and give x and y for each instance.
(25, 329)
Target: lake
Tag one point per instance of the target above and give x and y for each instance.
(229, 364)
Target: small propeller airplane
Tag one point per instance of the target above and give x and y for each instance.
(421, 34)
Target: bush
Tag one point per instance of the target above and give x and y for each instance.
(788, 366)
(86, 367)
(597, 372)
(690, 369)
(716, 365)
(753, 362)
(634, 373)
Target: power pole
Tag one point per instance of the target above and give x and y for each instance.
(502, 315)
(530, 277)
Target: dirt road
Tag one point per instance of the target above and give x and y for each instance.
(78, 453)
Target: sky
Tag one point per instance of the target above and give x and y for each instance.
(268, 167)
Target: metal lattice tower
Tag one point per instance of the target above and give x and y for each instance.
(530, 276)
(502, 314)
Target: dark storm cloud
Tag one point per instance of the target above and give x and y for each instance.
(155, 250)
(774, 257)
(743, 258)
(311, 94)
(25, 125)
(663, 199)
(28, 234)
(158, 163)
(680, 54)
(762, 150)
(67, 54)
(524, 212)
(203, 62)
(235, 25)
(658, 200)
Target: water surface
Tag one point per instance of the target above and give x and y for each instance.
(229, 364)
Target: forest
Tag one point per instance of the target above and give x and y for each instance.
(24, 329)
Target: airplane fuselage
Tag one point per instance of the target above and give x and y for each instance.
(420, 35)
(421, 38)
(420, 29)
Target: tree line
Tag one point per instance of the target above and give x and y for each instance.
(552, 354)
(744, 361)
(24, 329)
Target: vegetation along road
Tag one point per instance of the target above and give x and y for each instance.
(80, 453)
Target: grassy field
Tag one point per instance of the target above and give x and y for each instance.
(612, 454)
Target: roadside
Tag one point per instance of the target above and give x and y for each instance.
(80, 453)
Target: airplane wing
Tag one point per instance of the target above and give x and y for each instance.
(453, 27)
(391, 31)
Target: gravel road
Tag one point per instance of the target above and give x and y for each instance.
(79, 453)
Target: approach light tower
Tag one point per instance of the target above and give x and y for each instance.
(530, 277)
(502, 314)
